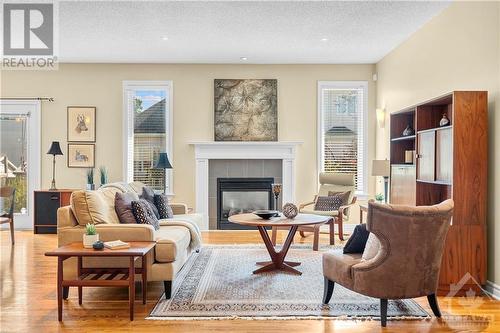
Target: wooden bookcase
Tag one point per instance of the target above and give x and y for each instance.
(450, 162)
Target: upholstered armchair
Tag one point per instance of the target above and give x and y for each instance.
(401, 261)
(329, 182)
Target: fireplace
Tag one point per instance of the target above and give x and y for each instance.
(241, 195)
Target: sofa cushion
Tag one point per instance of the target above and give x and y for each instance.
(337, 267)
(164, 209)
(149, 195)
(94, 207)
(170, 242)
(143, 213)
(123, 207)
(328, 203)
(357, 242)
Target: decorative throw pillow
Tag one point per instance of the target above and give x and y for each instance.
(344, 196)
(164, 209)
(371, 248)
(328, 203)
(123, 207)
(356, 243)
(149, 195)
(143, 213)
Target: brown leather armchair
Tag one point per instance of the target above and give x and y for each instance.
(407, 263)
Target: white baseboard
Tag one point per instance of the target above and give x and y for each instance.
(493, 289)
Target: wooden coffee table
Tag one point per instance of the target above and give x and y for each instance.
(102, 277)
(278, 261)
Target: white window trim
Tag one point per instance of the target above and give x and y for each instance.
(25, 221)
(128, 128)
(320, 119)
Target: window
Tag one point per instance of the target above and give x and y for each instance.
(342, 110)
(148, 131)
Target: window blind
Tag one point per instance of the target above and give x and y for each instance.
(342, 131)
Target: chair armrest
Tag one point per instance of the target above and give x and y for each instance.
(344, 210)
(303, 205)
(109, 232)
(179, 208)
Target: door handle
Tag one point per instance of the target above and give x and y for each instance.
(54, 197)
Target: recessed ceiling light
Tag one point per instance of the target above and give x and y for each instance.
(164, 38)
(324, 39)
(243, 58)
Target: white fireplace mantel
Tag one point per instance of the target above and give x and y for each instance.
(209, 150)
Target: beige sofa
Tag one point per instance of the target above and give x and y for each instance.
(175, 241)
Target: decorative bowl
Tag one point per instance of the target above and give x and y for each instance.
(265, 214)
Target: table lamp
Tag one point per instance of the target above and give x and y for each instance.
(55, 149)
(382, 168)
(163, 163)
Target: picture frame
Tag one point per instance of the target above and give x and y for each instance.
(81, 155)
(81, 123)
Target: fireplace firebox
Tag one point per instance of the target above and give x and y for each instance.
(241, 195)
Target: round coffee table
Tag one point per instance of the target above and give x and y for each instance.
(278, 261)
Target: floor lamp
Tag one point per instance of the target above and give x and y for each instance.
(382, 168)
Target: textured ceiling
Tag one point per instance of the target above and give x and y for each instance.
(223, 32)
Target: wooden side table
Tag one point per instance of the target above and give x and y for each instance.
(102, 277)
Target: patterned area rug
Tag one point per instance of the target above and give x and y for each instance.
(218, 283)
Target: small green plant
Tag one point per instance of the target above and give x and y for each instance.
(103, 173)
(90, 176)
(379, 197)
(90, 229)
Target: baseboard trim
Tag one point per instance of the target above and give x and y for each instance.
(493, 289)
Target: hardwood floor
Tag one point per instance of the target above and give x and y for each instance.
(28, 301)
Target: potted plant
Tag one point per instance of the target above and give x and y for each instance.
(379, 197)
(90, 179)
(103, 174)
(90, 236)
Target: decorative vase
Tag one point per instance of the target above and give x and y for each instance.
(408, 131)
(89, 240)
(444, 121)
(290, 210)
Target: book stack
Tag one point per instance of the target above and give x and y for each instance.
(116, 245)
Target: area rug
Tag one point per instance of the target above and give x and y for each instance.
(218, 283)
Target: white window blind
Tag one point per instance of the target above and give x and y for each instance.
(148, 132)
(342, 129)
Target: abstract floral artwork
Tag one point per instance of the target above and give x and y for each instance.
(246, 110)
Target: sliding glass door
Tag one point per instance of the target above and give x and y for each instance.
(20, 156)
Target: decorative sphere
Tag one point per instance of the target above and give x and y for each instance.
(290, 210)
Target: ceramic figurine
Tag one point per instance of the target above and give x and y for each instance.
(408, 131)
(444, 121)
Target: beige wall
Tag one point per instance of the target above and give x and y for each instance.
(458, 49)
(100, 85)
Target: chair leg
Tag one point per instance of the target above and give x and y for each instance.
(328, 290)
(383, 312)
(332, 232)
(341, 228)
(12, 231)
(316, 238)
(168, 289)
(65, 292)
(434, 305)
(273, 235)
(302, 234)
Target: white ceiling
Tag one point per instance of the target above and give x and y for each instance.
(223, 32)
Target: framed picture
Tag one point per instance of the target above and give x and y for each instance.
(81, 123)
(246, 110)
(81, 155)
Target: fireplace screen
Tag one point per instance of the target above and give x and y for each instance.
(241, 195)
(243, 202)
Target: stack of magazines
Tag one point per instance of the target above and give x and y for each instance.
(116, 245)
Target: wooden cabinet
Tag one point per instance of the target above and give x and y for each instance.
(46, 205)
(451, 162)
(403, 184)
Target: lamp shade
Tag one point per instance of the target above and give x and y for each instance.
(381, 168)
(163, 162)
(55, 149)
